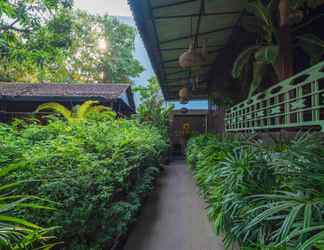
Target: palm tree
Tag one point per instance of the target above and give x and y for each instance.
(78, 113)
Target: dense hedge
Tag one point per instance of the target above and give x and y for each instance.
(265, 196)
(97, 171)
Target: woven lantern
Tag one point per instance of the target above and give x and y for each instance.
(193, 57)
(184, 95)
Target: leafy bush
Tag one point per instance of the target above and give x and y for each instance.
(98, 171)
(262, 195)
(153, 110)
(17, 232)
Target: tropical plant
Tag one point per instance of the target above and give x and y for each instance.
(98, 171)
(262, 195)
(152, 109)
(18, 233)
(78, 113)
(313, 46)
(265, 53)
(266, 50)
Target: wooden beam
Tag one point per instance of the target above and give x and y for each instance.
(177, 72)
(197, 15)
(200, 34)
(183, 48)
(172, 4)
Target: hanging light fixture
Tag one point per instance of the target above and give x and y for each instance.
(184, 95)
(193, 57)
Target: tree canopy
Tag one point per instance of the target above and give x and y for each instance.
(48, 41)
(102, 50)
(33, 36)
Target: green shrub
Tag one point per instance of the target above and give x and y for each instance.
(97, 170)
(16, 231)
(262, 195)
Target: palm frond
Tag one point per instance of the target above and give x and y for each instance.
(58, 108)
(313, 47)
(85, 108)
(243, 60)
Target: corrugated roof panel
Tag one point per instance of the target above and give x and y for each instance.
(188, 8)
(176, 24)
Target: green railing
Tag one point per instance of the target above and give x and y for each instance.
(297, 102)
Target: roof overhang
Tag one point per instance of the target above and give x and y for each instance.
(69, 93)
(168, 27)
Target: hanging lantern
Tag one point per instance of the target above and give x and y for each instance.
(193, 57)
(184, 95)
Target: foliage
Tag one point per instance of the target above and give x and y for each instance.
(17, 232)
(78, 113)
(253, 63)
(102, 50)
(313, 46)
(47, 41)
(98, 170)
(25, 16)
(261, 195)
(152, 109)
(33, 38)
(264, 52)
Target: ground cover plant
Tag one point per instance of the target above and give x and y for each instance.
(95, 171)
(266, 196)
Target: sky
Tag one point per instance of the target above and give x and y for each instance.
(111, 7)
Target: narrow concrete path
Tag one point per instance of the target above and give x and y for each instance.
(174, 216)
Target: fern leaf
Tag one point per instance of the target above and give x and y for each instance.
(100, 108)
(85, 108)
(58, 108)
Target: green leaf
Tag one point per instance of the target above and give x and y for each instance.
(313, 46)
(268, 54)
(18, 221)
(84, 109)
(259, 70)
(311, 241)
(243, 60)
(308, 216)
(57, 107)
(289, 221)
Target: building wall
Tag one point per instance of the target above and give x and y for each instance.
(216, 122)
(199, 122)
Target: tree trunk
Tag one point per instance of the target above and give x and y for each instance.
(286, 53)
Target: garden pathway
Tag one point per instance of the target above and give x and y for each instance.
(174, 216)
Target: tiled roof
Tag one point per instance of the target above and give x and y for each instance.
(106, 91)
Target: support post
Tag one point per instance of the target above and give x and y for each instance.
(286, 54)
